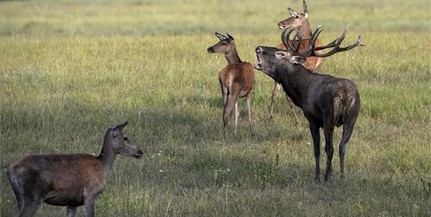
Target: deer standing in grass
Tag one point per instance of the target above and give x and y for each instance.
(68, 180)
(300, 22)
(236, 80)
(326, 101)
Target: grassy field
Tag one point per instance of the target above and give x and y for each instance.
(71, 69)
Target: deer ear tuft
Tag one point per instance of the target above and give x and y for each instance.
(281, 54)
(292, 12)
(298, 60)
(230, 37)
(220, 36)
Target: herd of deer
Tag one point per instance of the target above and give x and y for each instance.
(74, 180)
(326, 101)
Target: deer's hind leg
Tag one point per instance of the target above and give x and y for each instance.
(348, 125)
(229, 106)
(29, 206)
(28, 199)
(249, 111)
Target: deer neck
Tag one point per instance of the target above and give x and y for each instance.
(295, 80)
(232, 56)
(107, 157)
(305, 30)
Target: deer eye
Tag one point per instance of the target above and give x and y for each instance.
(125, 138)
(297, 17)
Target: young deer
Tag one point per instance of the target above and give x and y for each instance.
(236, 79)
(300, 22)
(68, 180)
(326, 101)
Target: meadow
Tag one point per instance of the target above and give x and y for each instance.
(71, 69)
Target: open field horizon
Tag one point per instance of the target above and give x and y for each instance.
(71, 69)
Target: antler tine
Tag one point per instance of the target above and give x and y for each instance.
(335, 42)
(312, 41)
(336, 45)
(285, 36)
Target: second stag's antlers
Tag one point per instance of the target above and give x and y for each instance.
(285, 38)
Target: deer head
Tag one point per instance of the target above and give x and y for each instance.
(225, 45)
(121, 144)
(296, 19)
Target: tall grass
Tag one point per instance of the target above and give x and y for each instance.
(71, 69)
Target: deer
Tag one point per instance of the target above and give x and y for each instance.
(326, 101)
(69, 180)
(300, 22)
(236, 80)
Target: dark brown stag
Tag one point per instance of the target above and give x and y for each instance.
(300, 22)
(70, 180)
(236, 80)
(326, 101)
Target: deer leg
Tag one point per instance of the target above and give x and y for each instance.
(329, 149)
(314, 129)
(224, 93)
(89, 206)
(275, 92)
(17, 189)
(248, 101)
(231, 101)
(29, 206)
(71, 211)
(236, 114)
(347, 133)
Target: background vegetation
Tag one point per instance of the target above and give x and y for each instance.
(70, 69)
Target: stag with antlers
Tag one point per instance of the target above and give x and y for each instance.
(326, 101)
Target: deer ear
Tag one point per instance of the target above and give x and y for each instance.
(281, 54)
(120, 127)
(220, 36)
(304, 8)
(297, 60)
(292, 12)
(230, 37)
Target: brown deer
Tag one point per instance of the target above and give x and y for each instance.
(68, 180)
(300, 22)
(236, 80)
(326, 101)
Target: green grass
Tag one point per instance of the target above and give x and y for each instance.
(70, 69)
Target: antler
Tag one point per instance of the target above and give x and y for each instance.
(311, 45)
(285, 39)
(335, 44)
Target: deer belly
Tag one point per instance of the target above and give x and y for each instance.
(65, 198)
